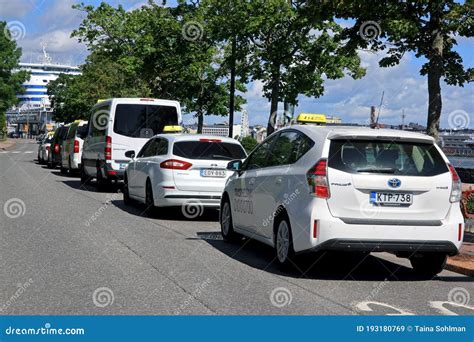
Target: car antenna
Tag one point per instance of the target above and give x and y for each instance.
(380, 107)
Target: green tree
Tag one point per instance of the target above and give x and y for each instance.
(428, 28)
(229, 25)
(248, 143)
(161, 51)
(72, 96)
(295, 49)
(10, 80)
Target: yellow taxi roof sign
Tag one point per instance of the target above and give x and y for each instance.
(100, 100)
(311, 118)
(172, 129)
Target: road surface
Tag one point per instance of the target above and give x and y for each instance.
(68, 249)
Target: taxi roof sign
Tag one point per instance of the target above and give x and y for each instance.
(172, 129)
(311, 118)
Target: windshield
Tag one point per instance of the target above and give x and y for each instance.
(208, 150)
(143, 120)
(386, 157)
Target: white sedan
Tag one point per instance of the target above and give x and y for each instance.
(180, 170)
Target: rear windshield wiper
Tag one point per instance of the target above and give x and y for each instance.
(220, 156)
(378, 170)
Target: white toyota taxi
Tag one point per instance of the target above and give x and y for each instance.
(314, 187)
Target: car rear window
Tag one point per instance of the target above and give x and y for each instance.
(208, 150)
(82, 131)
(386, 157)
(143, 121)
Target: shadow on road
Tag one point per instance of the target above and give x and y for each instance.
(76, 184)
(167, 213)
(348, 266)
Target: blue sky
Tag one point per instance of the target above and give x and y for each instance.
(50, 22)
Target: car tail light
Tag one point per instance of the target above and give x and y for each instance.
(210, 140)
(460, 232)
(56, 148)
(315, 229)
(48, 148)
(175, 164)
(76, 146)
(456, 190)
(318, 180)
(108, 148)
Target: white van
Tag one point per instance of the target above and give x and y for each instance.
(118, 125)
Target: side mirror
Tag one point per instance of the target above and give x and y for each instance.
(234, 165)
(130, 154)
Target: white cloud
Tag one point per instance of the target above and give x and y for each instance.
(15, 9)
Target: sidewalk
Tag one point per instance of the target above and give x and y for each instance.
(7, 144)
(464, 262)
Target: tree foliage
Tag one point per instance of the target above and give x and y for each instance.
(428, 28)
(10, 81)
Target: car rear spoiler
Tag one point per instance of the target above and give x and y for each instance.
(364, 136)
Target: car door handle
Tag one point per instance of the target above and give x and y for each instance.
(278, 180)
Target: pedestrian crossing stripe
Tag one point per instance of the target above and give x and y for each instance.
(5, 152)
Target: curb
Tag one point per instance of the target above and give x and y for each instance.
(7, 144)
(460, 269)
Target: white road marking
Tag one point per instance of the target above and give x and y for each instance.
(439, 305)
(29, 151)
(364, 306)
(15, 151)
(4, 151)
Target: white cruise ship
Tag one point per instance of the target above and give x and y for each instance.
(33, 111)
(35, 94)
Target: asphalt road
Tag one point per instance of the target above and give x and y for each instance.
(68, 249)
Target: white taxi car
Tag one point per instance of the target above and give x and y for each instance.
(311, 188)
(180, 169)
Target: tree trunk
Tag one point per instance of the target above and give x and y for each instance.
(435, 71)
(200, 116)
(274, 100)
(232, 89)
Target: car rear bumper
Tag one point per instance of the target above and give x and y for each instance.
(375, 234)
(394, 246)
(183, 198)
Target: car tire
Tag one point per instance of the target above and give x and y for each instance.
(85, 178)
(126, 194)
(428, 265)
(149, 202)
(63, 170)
(284, 243)
(227, 225)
